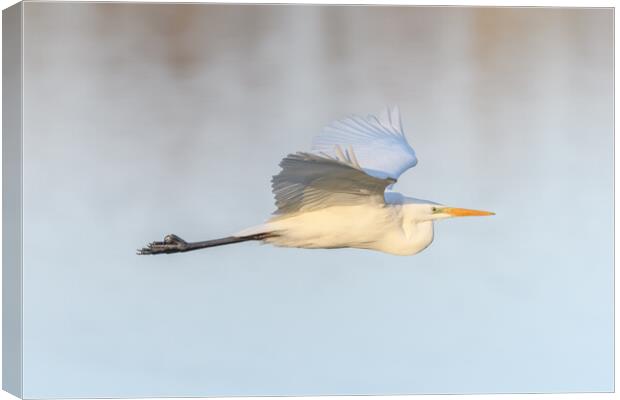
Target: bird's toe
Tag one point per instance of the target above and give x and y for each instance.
(171, 244)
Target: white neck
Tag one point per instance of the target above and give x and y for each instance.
(413, 236)
(418, 235)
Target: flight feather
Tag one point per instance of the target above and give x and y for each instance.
(379, 142)
(312, 181)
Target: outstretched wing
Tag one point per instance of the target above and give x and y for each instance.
(378, 141)
(310, 182)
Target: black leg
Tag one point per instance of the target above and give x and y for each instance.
(174, 244)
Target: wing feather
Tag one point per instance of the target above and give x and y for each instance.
(310, 182)
(378, 141)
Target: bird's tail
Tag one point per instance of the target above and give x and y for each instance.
(174, 244)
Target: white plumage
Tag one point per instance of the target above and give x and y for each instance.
(335, 196)
(379, 143)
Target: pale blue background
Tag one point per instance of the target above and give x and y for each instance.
(142, 120)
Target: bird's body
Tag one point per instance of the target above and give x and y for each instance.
(335, 196)
(388, 228)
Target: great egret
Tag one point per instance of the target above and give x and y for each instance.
(335, 196)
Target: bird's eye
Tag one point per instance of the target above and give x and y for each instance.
(434, 209)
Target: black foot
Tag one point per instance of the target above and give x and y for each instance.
(171, 244)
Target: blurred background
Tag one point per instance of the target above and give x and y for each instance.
(147, 119)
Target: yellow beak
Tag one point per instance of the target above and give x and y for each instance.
(464, 212)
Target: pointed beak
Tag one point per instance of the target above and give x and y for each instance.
(464, 212)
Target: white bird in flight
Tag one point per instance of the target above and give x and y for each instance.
(335, 195)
